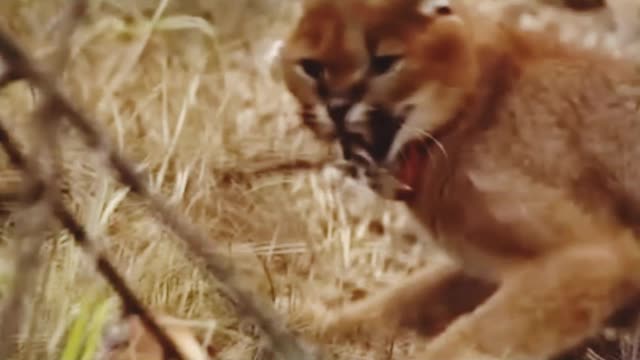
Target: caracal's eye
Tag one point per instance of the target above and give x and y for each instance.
(380, 65)
(312, 68)
(443, 10)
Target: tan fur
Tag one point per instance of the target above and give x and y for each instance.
(627, 18)
(533, 189)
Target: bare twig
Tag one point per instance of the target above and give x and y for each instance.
(46, 124)
(47, 120)
(57, 208)
(66, 23)
(30, 197)
(281, 340)
(25, 273)
(285, 167)
(248, 306)
(22, 195)
(48, 202)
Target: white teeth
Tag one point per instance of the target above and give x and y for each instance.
(358, 114)
(358, 122)
(364, 155)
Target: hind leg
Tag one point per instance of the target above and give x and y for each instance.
(545, 307)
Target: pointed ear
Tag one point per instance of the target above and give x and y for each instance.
(447, 39)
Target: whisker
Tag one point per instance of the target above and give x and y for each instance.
(431, 137)
(437, 143)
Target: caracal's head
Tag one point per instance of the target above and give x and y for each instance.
(371, 70)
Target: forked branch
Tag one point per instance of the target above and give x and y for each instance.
(40, 201)
(57, 208)
(284, 344)
(33, 215)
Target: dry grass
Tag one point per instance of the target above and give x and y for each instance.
(185, 90)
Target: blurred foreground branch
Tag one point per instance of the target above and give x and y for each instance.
(56, 106)
(33, 215)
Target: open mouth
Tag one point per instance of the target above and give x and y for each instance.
(374, 142)
(370, 151)
(367, 147)
(410, 161)
(348, 141)
(407, 166)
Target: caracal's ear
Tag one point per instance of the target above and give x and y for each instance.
(447, 32)
(447, 42)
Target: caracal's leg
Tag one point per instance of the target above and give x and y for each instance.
(546, 306)
(426, 301)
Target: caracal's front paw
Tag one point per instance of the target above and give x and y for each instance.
(358, 319)
(347, 321)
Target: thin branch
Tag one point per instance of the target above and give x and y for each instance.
(22, 195)
(30, 197)
(27, 264)
(47, 120)
(57, 208)
(284, 344)
(66, 24)
(284, 167)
